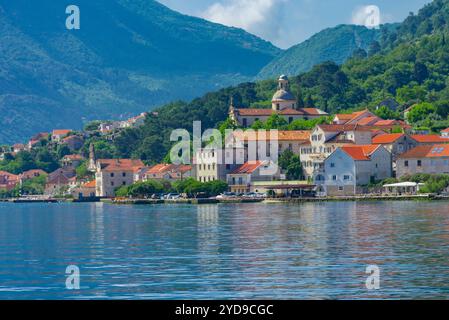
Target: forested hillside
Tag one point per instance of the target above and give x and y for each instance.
(411, 69)
(127, 57)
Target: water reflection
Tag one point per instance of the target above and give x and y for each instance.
(315, 250)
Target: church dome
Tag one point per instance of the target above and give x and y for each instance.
(283, 77)
(282, 95)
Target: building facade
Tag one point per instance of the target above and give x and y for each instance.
(431, 159)
(351, 166)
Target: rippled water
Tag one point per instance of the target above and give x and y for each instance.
(245, 251)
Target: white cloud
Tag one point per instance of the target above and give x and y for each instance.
(261, 17)
(369, 16)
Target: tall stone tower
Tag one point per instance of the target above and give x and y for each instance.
(92, 158)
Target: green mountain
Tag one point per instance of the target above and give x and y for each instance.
(333, 44)
(128, 56)
(412, 68)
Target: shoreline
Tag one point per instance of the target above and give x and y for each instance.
(425, 197)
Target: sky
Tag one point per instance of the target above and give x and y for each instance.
(289, 22)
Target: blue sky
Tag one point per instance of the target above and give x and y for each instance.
(288, 22)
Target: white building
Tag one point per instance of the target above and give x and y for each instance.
(351, 166)
(325, 139)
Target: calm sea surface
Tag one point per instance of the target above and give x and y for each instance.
(242, 251)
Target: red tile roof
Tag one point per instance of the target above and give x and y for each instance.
(445, 130)
(248, 167)
(283, 135)
(90, 184)
(313, 111)
(387, 138)
(121, 164)
(171, 168)
(360, 152)
(368, 121)
(344, 127)
(74, 157)
(429, 138)
(427, 151)
(61, 132)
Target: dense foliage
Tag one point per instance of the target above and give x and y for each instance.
(190, 187)
(409, 65)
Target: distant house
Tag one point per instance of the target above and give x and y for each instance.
(429, 139)
(59, 182)
(31, 174)
(168, 172)
(109, 126)
(111, 174)
(432, 159)
(395, 143)
(36, 139)
(8, 181)
(351, 166)
(85, 190)
(58, 135)
(390, 103)
(445, 133)
(367, 118)
(74, 142)
(72, 161)
(241, 179)
(18, 147)
(283, 104)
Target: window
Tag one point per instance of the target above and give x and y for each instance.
(245, 122)
(290, 119)
(405, 163)
(347, 178)
(124, 174)
(124, 183)
(419, 163)
(340, 188)
(332, 165)
(228, 167)
(112, 174)
(112, 183)
(334, 177)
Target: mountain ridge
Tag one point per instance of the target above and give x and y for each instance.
(127, 57)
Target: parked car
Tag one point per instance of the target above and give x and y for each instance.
(226, 195)
(173, 196)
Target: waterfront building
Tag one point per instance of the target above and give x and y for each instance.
(431, 159)
(170, 172)
(59, 181)
(85, 190)
(352, 166)
(214, 164)
(283, 103)
(111, 174)
(325, 139)
(8, 181)
(241, 179)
